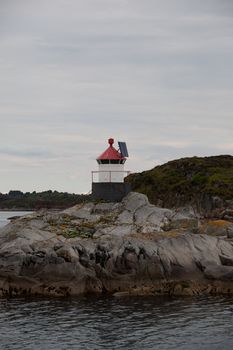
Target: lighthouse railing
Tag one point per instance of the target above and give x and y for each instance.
(110, 174)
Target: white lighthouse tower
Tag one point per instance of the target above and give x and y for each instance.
(110, 183)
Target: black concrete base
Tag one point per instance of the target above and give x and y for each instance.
(110, 191)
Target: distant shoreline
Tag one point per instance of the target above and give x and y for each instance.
(19, 201)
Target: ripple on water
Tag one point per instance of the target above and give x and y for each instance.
(117, 323)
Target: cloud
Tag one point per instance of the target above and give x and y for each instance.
(157, 74)
(26, 153)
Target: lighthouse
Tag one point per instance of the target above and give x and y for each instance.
(108, 182)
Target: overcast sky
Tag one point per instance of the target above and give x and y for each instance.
(155, 73)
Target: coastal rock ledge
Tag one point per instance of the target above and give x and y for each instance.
(130, 247)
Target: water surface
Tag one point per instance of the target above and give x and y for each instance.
(5, 215)
(117, 323)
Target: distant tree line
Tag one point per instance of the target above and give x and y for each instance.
(17, 200)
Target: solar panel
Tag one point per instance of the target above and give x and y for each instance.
(123, 149)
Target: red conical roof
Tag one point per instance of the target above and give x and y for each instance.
(111, 153)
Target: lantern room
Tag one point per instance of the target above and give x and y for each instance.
(111, 165)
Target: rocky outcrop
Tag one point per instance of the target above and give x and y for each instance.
(129, 247)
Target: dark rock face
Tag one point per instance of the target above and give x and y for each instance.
(122, 264)
(51, 254)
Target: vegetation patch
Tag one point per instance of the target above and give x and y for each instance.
(215, 227)
(157, 235)
(186, 180)
(218, 223)
(69, 229)
(77, 233)
(185, 284)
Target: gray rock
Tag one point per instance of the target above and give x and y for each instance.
(148, 228)
(159, 216)
(44, 254)
(38, 224)
(191, 225)
(216, 228)
(230, 231)
(134, 201)
(83, 212)
(68, 253)
(125, 217)
(102, 208)
(187, 212)
(122, 230)
(115, 230)
(220, 273)
(226, 260)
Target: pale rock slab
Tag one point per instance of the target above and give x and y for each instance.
(83, 212)
(125, 217)
(102, 208)
(134, 201)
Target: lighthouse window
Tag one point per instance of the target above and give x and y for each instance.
(114, 161)
(104, 161)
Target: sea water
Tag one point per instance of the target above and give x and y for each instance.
(117, 323)
(5, 215)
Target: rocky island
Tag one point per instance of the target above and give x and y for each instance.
(132, 247)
